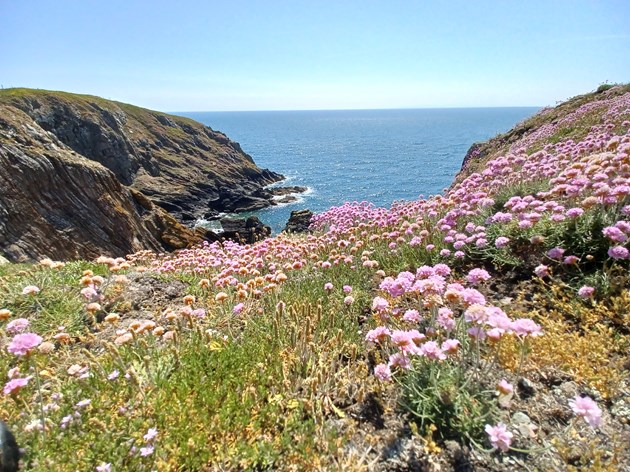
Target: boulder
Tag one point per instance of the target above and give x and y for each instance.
(244, 231)
(299, 221)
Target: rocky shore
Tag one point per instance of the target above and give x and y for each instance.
(83, 176)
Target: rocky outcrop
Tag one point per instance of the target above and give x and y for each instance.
(183, 166)
(299, 221)
(55, 202)
(244, 231)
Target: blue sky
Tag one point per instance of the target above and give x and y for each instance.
(318, 54)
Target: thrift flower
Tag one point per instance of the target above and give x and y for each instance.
(22, 344)
(499, 436)
(104, 467)
(383, 372)
(505, 387)
(587, 409)
(146, 451)
(13, 386)
(30, 290)
(151, 434)
(349, 300)
(586, 292)
(18, 325)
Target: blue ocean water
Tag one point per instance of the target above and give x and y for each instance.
(355, 155)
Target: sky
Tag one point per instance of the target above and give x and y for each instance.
(320, 54)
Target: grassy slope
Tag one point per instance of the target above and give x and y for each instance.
(286, 379)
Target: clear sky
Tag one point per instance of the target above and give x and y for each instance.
(182, 55)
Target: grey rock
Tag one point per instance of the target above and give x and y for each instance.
(9, 450)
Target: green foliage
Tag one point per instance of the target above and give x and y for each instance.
(442, 395)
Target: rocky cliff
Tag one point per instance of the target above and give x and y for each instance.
(82, 176)
(55, 202)
(185, 167)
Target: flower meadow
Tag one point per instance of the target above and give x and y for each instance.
(493, 316)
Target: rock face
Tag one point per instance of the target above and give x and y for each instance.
(9, 450)
(299, 221)
(57, 203)
(245, 231)
(185, 167)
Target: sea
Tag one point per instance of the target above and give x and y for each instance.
(379, 156)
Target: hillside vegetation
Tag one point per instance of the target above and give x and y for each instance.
(482, 329)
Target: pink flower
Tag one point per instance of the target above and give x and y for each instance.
(615, 234)
(13, 386)
(499, 436)
(238, 308)
(17, 326)
(328, 286)
(22, 344)
(524, 327)
(349, 300)
(30, 290)
(399, 360)
(380, 304)
(146, 451)
(347, 288)
(151, 434)
(383, 372)
(378, 334)
(542, 271)
(618, 252)
(587, 409)
(586, 292)
(431, 350)
(450, 346)
(104, 467)
(411, 315)
(505, 387)
(501, 241)
(555, 253)
(476, 276)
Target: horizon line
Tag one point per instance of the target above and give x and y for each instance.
(357, 109)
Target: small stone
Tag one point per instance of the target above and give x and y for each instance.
(526, 388)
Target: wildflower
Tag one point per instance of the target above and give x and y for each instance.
(114, 375)
(30, 290)
(399, 360)
(501, 241)
(555, 253)
(570, 260)
(104, 467)
(221, 296)
(431, 350)
(349, 300)
(46, 347)
(587, 409)
(450, 346)
(542, 271)
(238, 308)
(151, 434)
(112, 318)
(17, 326)
(189, 299)
(499, 436)
(378, 334)
(328, 286)
(5, 314)
(83, 403)
(505, 387)
(13, 386)
(65, 421)
(618, 252)
(411, 315)
(615, 234)
(93, 307)
(347, 288)
(22, 344)
(586, 291)
(146, 451)
(525, 326)
(123, 339)
(380, 304)
(383, 372)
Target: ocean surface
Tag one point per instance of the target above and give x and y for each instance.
(355, 155)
